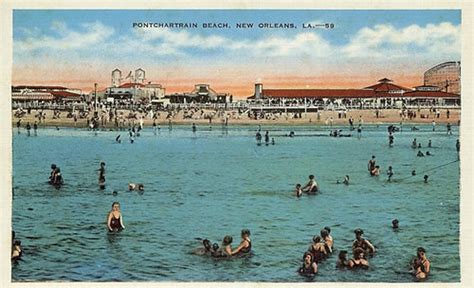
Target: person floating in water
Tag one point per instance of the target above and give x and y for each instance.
(245, 245)
(115, 219)
(362, 243)
(309, 267)
(312, 186)
(420, 265)
(342, 260)
(346, 180)
(413, 172)
(425, 178)
(395, 224)
(298, 191)
(102, 176)
(136, 187)
(371, 164)
(194, 128)
(358, 260)
(117, 139)
(420, 154)
(267, 138)
(390, 173)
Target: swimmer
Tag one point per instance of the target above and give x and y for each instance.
(362, 243)
(426, 178)
(413, 172)
(226, 249)
(206, 250)
(194, 128)
(342, 260)
(51, 176)
(419, 145)
(390, 173)
(245, 245)
(258, 137)
(312, 186)
(420, 265)
(267, 138)
(35, 128)
(458, 146)
(136, 187)
(413, 144)
(375, 171)
(371, 164)
(428, 153)
(358, 260)
(114, 193)
(346, 180)
(273, 141)
(292, 134)
(115, 219)
(117, 139)
(309, 267)
(298, 190)
(395, 224)
(327, 240)
(420, 154)
(429, 143)
(318, 249)
(16, 248)
(58, 178)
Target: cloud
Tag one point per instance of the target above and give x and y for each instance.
(386, 40)
(91, 34)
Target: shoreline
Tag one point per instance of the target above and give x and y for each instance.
(364, 117)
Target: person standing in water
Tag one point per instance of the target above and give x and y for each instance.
(18, 125)
(245, 245)
(312, 186)
(298, 191)
(390, 173)
(102, 176)
(309, 267)
(35, 128)
(258, 137)
(115, 219)
(371, 164)
(194, 128)
(420, 265)
(28, 128)
(267, 138)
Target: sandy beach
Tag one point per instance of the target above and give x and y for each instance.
(325, 118)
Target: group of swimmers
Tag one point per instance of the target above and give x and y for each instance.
(225, 250)
(258, 137)
(311, 188)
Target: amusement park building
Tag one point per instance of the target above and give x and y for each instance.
(202, 93)
(446, 76)
(27, 93)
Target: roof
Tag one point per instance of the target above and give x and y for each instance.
(431, 94)
(318, 93)
(40, 87)
(64, 94)
(384, 86)
(131, 85)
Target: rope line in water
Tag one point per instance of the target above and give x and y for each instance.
(446, 164)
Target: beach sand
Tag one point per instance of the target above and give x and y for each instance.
(359, 116)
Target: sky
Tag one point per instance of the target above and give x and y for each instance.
(77, 48)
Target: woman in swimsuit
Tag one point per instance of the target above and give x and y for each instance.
(327, 240)
(342, 260)
(421, 265)
(309, 267)
(358, 260)
(114, 220)
(318, 249)
(362, 243)
(245, 245)
(226, 249)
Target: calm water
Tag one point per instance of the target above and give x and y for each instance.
(213, 183)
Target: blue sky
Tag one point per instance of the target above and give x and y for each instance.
(103, 39)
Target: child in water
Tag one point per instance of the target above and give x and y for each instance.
(298, 190)
(136, 187)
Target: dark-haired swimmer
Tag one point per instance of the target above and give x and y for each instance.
(358, 260)
(312, 186)
(298, 190)
(309, 267)
(342, 260)
(327, 240)
(420, 265)
(426, 178)
(413, 172)
(390, 173)
(346, 180)
(428, 153)
(375, 171)
(226, 249)
(318, 249)
(420, 154)
(117, 139)
(135, 186)
(115, 219)
(395, 224)
(245, 245)
(362, 243)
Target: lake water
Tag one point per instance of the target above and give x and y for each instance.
(212, 183)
